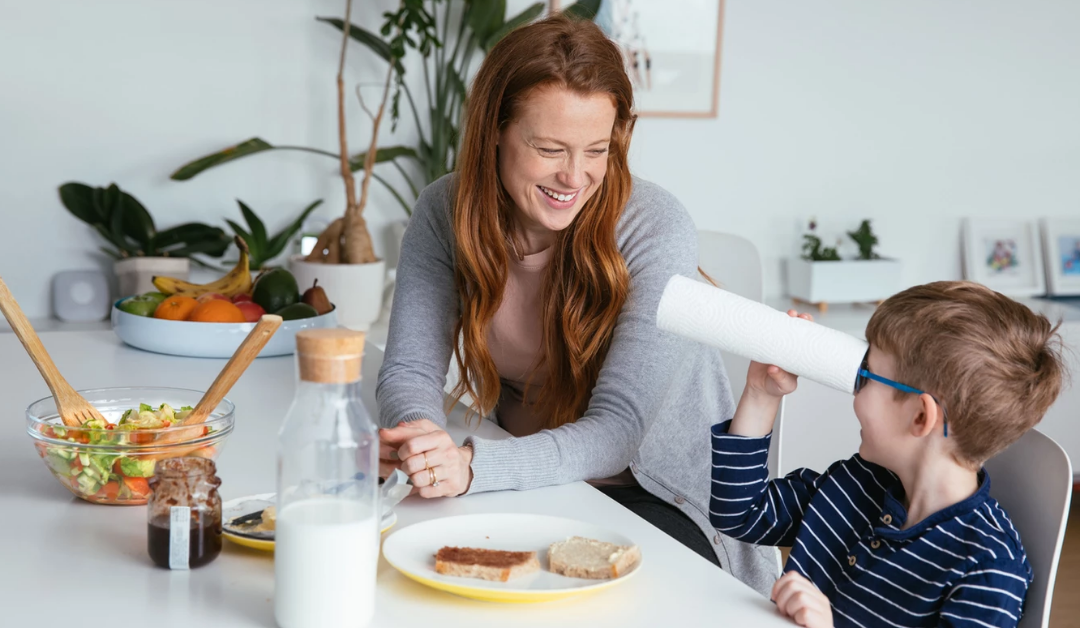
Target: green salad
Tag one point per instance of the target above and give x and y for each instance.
(97, 474)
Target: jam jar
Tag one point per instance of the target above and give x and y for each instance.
(184, 513)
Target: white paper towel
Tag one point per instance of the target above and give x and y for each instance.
(756, 331)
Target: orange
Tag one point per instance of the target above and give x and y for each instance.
(217, 311)
(175, 308)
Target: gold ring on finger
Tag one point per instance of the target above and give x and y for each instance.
(434, 478)
(426, 465)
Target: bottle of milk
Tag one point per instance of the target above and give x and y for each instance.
(327, 538)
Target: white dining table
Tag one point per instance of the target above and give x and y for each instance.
(66, 562)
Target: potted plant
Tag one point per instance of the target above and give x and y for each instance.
(820, 276)
(344, 252)
(263, 247)
(140, 250)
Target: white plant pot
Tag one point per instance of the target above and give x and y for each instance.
(355, 289)
(135, 274)
(845, 281)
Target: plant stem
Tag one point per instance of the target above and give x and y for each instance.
(408, 179)
(346, 172)
(415, 113)
(404, 204)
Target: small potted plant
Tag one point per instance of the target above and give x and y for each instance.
(820, 276)
(140, 250)
(263, 247)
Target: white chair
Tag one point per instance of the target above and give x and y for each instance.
(734, 264)
(1033, 481)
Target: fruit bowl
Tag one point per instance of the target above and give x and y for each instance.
(112, 466)
(207, 340)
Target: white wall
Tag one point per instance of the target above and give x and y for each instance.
(913, 113)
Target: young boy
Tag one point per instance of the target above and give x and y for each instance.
(905, 532)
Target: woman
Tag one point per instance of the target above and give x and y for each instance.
(547, 259)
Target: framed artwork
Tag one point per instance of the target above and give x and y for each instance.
(672, 53)
(1061, 250)
(1005, 255)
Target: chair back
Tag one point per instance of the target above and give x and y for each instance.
(1033, 481)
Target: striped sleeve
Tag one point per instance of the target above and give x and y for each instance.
(744, 504)
(991, 594)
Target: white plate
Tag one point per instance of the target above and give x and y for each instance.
(412, 551)
(246, 505)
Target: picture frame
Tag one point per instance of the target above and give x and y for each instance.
(672, 53)
(1061, 253)
(1005, 255)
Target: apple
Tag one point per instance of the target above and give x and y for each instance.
(210, 296)
(252, 311)
(243, 296)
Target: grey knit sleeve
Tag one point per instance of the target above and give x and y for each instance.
(419, 344)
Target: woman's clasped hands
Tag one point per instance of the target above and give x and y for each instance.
(426, 453)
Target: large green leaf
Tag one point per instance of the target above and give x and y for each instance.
(528, 15)
(78, 198)
(206, 247)
(119, 243)
(243, 149)
(486, 17)
(138, 225)
(366, 37)
(278, 242)
(199, 237)
(583, 9)
(110, 201)
(116, 216)
(386, 153)
(258, 229)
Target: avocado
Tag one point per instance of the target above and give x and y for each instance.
(295, 311)
(275, 289)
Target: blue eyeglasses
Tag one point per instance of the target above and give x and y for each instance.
(865, 375)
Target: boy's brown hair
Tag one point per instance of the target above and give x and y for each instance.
(994, 365)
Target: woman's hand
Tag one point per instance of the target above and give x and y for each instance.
(798, 598)
(767, 380)
(427, 454)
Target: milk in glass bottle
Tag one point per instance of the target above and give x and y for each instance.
(327, 538)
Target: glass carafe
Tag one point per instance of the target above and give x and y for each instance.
(327, 538)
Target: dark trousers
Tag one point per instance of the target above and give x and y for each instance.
(665, 516)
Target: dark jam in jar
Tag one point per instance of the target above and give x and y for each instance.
(204, 541)
(185, 501)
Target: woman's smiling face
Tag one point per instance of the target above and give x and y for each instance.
(553, 157)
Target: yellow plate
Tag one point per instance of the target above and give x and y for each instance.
(411, 551)
(245, 505)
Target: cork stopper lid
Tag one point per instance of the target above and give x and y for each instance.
(329, 356)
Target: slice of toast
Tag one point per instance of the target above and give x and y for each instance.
(578, 557)
(496, 565)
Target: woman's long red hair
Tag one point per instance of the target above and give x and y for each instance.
(586, 282)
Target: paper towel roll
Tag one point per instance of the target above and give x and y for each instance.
(756, 331)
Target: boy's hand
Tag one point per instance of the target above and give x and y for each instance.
(798, 598)
(767, 380)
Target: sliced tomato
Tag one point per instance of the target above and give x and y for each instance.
(109, 491)
(140, 438)
(138, 486)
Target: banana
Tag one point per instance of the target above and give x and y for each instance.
(237, 281)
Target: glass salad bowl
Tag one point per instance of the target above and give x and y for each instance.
(111, 463)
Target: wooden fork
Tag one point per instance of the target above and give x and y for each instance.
(73, 409)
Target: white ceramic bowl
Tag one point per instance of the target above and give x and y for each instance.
(207, 340)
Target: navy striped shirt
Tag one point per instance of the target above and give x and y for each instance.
(961, 566)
